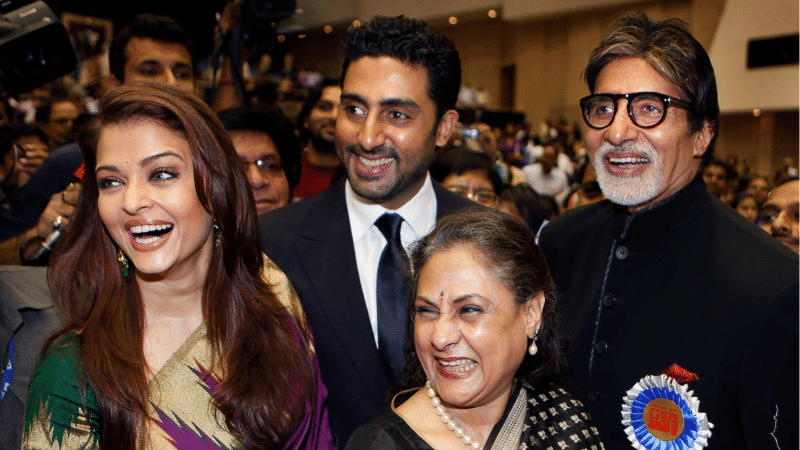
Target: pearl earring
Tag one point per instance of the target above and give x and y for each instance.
(533, 349)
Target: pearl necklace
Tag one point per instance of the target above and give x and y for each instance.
(451, 424)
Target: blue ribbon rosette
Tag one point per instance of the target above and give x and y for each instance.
(660, 414)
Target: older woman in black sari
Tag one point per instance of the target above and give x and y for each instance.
(486, 348)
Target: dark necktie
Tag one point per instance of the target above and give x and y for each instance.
(392, 290)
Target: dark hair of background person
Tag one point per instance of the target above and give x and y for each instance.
(20, 129)
(671, 51)
(153, 26)
(262, 400)
(45, 108)
(412, 42)
(274, 123)
(729, 173)
(508, 251)
(311, 99)
(457, 160)
(533, 207)
(744, 195)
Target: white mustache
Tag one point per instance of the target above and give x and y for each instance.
(607, 148)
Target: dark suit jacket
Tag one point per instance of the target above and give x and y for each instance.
(688, 282)
(26, 312)
(311, 242)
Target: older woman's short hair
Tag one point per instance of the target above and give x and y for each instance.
(508, 249)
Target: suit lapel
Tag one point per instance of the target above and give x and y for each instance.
(326, 252)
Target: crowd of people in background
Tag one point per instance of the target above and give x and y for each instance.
(551, 160)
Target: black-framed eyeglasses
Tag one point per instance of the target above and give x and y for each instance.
(646, 109)
(266, 167)
(486, 198)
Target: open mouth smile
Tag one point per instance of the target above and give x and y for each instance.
(455, 367)
(373, 167)
(149, 236)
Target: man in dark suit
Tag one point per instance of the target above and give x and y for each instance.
(28, 316)
(399, 88)
(662, 278)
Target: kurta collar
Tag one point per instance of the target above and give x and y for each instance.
(665, 216)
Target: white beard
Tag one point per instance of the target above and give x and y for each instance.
(631, 190)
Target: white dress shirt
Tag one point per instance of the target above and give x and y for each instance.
(419, 218)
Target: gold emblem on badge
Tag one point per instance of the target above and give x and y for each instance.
(663, 419)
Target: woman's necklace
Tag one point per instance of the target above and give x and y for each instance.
(442, 413)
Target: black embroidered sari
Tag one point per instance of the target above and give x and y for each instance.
(543, 418)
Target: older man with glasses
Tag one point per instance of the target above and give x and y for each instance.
(669, 297)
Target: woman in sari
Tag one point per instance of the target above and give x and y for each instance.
(180, 333)
(485, 349)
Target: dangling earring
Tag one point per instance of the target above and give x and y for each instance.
(123, 263)
(533, 348)
(217, 236)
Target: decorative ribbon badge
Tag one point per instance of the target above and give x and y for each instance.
(660, 414)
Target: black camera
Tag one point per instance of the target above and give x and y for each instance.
(34, 48)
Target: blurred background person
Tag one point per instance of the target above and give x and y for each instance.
(469, 174)
(746, 205)
(511, 145)
(780, 215)
(759, 186)
(787, 171)
(55, 118)
(483, 339)
(317, 126)
(525, 204)
(545, 177)
(22, 151)
(269, 151)
(715, 175)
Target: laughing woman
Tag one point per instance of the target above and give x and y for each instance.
(174, 338)
(485, 347)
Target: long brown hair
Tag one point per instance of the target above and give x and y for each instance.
(267, 374)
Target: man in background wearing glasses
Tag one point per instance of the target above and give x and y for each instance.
(663, 278)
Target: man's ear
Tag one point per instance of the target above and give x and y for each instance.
(702, 139)
(445, 127)
(533, 313)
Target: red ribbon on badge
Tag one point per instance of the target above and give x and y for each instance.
(679, 374)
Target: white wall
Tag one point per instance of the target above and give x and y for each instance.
(742, 89)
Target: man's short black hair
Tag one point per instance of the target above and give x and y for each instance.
(153, 26)
(412, 42)
(277, 126)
